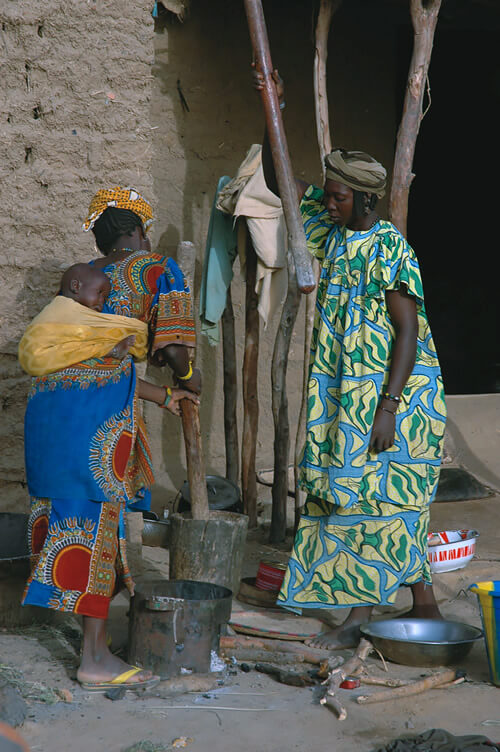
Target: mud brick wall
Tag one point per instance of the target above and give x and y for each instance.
(91, 98)
(74, 116)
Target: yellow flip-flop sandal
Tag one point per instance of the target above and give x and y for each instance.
(122, 680)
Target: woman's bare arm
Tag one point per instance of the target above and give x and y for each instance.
(402, 309)
(158, 394)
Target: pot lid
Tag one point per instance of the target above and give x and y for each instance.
(222, 492)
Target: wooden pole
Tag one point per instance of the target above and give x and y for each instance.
(186, 254)
(326, 10)
(230, 391)
(279, 149)
(280, 406)
(194, 460)
(301, 425)
(424, 16)
(250, 391)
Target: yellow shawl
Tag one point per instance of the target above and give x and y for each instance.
(65, 333)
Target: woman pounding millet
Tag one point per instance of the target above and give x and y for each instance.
(376, 410)
(87, 455)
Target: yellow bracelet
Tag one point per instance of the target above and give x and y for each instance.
(188, 375)
(168, 397)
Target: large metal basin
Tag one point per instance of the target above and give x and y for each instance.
(13, 536)
(422, 642)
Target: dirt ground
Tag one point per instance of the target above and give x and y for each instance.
(250, 711)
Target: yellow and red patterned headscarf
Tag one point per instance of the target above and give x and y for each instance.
(119, 198)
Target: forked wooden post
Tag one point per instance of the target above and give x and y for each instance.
(325, 14)
(279, 149)
(424, 16)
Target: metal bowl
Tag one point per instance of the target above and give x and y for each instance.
(422, 642)
(155, 532)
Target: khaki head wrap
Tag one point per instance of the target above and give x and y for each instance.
(119, 198)
(357, 170)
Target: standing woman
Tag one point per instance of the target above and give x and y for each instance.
(87, 455)
(376, 410)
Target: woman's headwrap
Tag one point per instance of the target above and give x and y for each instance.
(357, 170)
(119, 198)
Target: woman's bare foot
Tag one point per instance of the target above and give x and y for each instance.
(98, 664)
(107, 668)
(423, 612)
(424, 603)
(346, 635)
(336, 639)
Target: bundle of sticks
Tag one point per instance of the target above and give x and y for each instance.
(332, 670)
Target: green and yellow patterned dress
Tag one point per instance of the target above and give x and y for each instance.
(363, 532)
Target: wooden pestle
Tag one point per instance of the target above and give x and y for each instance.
(186, 253)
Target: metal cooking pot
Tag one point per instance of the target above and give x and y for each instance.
(155, 532)
(176, 624)
(223, 495)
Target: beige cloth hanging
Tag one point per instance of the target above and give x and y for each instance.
(247, 195)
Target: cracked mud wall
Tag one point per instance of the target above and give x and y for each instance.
(63, 136)
(74, 116)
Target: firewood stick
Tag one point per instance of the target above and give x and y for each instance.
(179, 685)
(381, 682)
(460, 680)
(338, 674)
(335, 705)
(349, 667)
(328, 665)
(256, 655)
(292, 678)
(444, 677)
(310, 655)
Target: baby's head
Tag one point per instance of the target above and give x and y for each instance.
(87, 285)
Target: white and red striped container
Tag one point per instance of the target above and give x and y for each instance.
(451, 549)
(270, 575)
